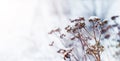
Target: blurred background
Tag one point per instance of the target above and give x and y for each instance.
(24, 25)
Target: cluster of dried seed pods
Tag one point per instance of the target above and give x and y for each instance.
(84, 33)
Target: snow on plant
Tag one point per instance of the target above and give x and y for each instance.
(86, 37)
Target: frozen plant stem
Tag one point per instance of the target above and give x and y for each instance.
(81, 34)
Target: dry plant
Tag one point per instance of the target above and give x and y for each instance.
(84, 31)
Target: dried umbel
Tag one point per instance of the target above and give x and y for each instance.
(84, 34)
(95, 50)
(66, 53)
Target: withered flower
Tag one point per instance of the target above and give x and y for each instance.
(62, 35)
(96, 19)
(67, 27)
(53, 31)
(103, 31)
(74, 30)
(107, 36)
(95, 31)
(57, 30)
(105, 22)
(82, 25)
(90, 20)
(65, 53)
(76, 24)
(72, 38)
(62, 51)
(114, 17)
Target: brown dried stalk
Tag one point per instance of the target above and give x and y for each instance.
(84, 33)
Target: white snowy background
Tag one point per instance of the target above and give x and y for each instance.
(24, 25)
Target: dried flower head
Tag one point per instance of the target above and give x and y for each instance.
(114, 17)
(83, 34)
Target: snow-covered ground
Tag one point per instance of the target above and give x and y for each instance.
(24, 25)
